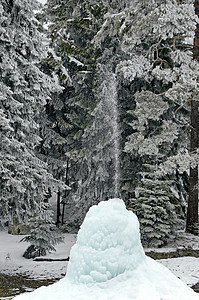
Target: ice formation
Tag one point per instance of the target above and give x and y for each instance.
(108, 244)
(108, 263)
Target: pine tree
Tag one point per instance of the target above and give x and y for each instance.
(68, 114)
(24, 91)
(43, 236)
(156, 77)
(161, 62)
(158, 215)
(156, 207)
(192, 224)
(74, 33)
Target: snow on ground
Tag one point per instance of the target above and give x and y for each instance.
(12, 261)
(185, 268)
(108, 262)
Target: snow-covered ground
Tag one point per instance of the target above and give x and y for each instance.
(185, 268)
(12, 262)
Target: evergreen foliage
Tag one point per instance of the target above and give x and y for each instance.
(157, 69)
(24, 90)
(104, 111)
(160, 61)
(84, 111)
(68, 114)
(43, 236)
(157, 208)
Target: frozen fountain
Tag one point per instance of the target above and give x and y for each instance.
(108, 263)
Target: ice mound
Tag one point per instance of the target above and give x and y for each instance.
(108, 244)
(108, 263)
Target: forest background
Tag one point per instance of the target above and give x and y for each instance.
(98, 99)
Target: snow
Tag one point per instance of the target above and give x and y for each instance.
(186, 268)
(78, 63)
(12, 262)
(42, 1)
(108, 262)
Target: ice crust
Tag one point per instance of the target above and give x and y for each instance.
(108, 263)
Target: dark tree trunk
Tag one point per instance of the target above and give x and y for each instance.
(192, 209)
(63, 211)
(58, 208)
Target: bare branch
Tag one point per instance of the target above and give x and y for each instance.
(178, 109)
(177, 38)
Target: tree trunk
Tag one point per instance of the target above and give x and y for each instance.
(58, 208)
(192, 209)
(63, 211)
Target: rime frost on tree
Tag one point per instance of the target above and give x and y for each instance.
(148, 41)
(24, 90)
(81, 120)
(43, 236)
(156, 38)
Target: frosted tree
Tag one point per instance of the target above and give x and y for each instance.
(156, 208)
(74, 31)
(166, 61)
(24, 91)
(156, 36)
(109, 38)
(43, 236)
(192, 224)
(150, 40)
(68, 33)
(155, 200)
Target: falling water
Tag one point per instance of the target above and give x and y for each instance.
(111, 110)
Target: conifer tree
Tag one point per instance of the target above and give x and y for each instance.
(157, 208)
(74, 32)
(24, 91)
(69, 32)
(156, 78)
(160, 56)
(166, 62)
(192, 224)
(43, 236)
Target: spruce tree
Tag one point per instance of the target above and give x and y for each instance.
(192, 224)
(80, 119)
(43, 236)
(68, 114)
(24, 91)
(157, 208)
(161, 62)
(155, 78)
